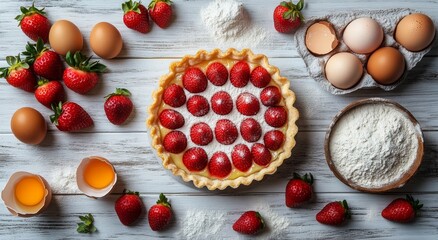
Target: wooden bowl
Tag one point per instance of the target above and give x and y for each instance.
(406, 176)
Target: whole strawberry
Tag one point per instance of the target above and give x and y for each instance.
(402, 210)
(288, 17)
(136, 16)
(161, 12)
(69, 116)
(160, 214)
(118, 106)
(49, 92)
(34, 23)
(18, 74)
(45, 63)
(299, 190)
(250, 222)
(128, 207)
(82, 75)
(334, 213)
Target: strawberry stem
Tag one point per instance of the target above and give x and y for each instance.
(294, 11)
(126, 191)
(14, 63)
(164, 201)
(28, 12)
(151, 5)
(131, 6)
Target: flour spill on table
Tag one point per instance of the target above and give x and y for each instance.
(63, 180)
(230, 25)
(202, 224)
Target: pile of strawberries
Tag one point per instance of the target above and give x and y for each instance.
(42, 69)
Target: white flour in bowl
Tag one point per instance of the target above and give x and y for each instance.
(230, 25)
(373, 145)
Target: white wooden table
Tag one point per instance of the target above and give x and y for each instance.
(143, 60)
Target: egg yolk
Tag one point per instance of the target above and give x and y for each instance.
(29, 191)
(98, 174)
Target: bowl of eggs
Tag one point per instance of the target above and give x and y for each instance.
(345, 52)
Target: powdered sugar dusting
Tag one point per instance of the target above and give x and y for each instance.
(230, 25)
(63, 180)
(202, 224)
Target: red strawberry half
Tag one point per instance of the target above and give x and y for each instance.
(118, 106)
(250, 130)
(45, 63)
(250, 222)
(239, 74)
(219, 165)
(221, 103)
(171, 119)
(287, 16)
(260, 154)
(198, 105)
(402, 210)
(260, 77)
(194, 80)
(18, 74)
(135, 16)
(241, 157)
(128, 207)
(276, 116)
(69, 116)
(161, 12)
(82, 75)
(201, 134)
(175, 142)
(174, 96)
(195, 159)
(160, 214)
(49, 93)
(247, 104)
(34, 23)
(225, 131)
(217, 73)
(270, 96)
(334, 213)
(273, 139)
(299, 190)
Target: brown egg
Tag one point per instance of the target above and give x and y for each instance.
(105, 40)
(64, 36)
(321, 38)
(386, 65)
(28, 125)
(415, 32)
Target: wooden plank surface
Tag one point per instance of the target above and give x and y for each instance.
(143, 60)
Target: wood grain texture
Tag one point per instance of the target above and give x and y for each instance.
(143, 60)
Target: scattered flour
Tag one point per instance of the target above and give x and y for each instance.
(373, 145)
(202, 224)
(205, 224)
(230, 25)
(63, 180)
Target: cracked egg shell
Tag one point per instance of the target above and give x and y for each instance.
(321, 38)
(11, 198)
(96, 176)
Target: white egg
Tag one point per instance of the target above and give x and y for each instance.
(363, 35)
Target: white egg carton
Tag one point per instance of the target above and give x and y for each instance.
(388, 19)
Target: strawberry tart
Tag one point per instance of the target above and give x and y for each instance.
(223, 119)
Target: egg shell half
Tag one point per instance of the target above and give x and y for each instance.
(105, 40)
(17, 209)
(415, 32)
(28, 126)
(83, 185)
(65, 36)
(321, 38)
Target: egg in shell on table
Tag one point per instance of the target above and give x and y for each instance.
(96, 176)
(363, 35)
(65, 36)
(105, 40)
(343, 70)
(415, 32)
(386, 65)
(26, 194)
(28, 126)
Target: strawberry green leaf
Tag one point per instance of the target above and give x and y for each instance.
(86, 225)
(300, 5)
(81, 62)
(28, 12)
(164, 201)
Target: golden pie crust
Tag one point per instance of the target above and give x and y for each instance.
(202, 56)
